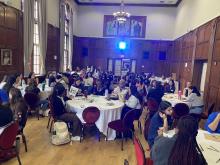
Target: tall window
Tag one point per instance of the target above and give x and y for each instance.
(36, 51)
(66, 38)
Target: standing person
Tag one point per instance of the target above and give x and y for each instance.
(195, 100)
(160, 120)
(182, 148)
(61, 113)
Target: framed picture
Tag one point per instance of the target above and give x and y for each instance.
(6, 57)
(134, 27)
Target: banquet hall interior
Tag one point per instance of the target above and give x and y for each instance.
(109, 82)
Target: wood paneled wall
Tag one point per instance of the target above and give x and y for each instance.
(100, 49)
(53, 49)
(11, 37)
(198, 46)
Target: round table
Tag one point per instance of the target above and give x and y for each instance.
(109, 111)
(173, 99)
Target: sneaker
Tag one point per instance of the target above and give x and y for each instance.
(75, 138)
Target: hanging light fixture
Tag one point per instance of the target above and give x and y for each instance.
(121, 16)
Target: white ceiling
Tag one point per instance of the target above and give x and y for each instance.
(166, 2)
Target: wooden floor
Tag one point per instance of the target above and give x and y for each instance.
(89, 152)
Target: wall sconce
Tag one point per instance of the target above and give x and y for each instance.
(142, 66)
(215, 63)
(55, 57)
(186, 64)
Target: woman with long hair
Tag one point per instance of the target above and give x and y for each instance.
(186, 150)
(182, 148)
(18, 106)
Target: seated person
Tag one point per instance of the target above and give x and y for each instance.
(161, 119)
(213, 123)
(195, 100)
(18, 81)
(99, 89)
(186, 90)
(179, 110)
(141, 89)
(156, 93)
(3, 82)
(61, 113)
(172, 151)
(4, 97)
(6, 115)
(32, 88)
(18, 106)
(88, 82)
(78, 84)
(133, 101)
(170, 88)
(32, 76)
(120, 91)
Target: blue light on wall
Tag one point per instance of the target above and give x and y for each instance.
(122, 45)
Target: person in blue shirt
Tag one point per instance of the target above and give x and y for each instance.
(4, 97)
(213, 123)
(160, 120)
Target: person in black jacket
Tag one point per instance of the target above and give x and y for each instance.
(59, 111)
(156, 93)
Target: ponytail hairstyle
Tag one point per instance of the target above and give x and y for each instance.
(186, 150)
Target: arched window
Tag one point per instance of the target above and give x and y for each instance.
(36, 50)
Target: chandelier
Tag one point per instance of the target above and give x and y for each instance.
(121, 16)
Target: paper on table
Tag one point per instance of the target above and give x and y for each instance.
(212, 137)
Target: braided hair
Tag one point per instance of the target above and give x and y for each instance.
(186, 150)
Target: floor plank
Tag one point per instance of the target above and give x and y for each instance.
(90, 151)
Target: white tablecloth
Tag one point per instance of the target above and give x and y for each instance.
(210, 155)
(173, 99)
(108, 112)
(43, 94)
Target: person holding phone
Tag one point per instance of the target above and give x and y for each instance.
(160, 121)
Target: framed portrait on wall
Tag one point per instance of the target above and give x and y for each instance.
(6, 57)
(134, 27)
(138, 26)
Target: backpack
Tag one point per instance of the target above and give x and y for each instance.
(61, 134)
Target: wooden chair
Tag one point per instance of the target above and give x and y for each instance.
(140, 154)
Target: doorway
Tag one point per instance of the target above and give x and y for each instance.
(199, 74)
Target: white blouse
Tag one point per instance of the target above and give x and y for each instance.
(133, 102)
(195, 100)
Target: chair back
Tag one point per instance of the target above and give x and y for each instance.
(8, 136)
(91, 115)
(146, 127)
(129, 118)
(139, 152)
(51, 107)
(211, 108)
(31, 99)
